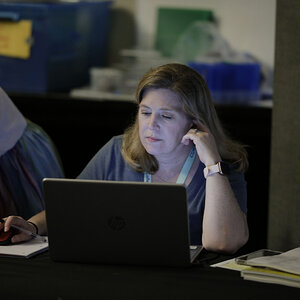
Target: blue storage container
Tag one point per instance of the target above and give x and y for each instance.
(231, 82)
(68, 38)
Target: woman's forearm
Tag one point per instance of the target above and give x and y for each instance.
(225, 226)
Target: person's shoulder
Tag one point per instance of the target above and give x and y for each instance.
(104, 160)
(116, 141)
(112, 147)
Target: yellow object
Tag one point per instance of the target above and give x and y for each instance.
(15, 38)
(271, 276)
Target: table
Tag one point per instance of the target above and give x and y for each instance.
(41, 278)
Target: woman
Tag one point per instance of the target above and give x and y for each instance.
(27, 155)
(177, 137)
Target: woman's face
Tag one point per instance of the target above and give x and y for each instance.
(162, 122)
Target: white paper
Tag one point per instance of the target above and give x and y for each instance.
(287, 262)
(27, 249)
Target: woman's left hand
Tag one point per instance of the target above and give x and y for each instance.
(205, 144)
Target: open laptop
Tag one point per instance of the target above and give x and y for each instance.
(116, 222)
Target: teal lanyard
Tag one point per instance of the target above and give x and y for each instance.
(184, 171)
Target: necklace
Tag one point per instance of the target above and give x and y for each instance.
(184, 171)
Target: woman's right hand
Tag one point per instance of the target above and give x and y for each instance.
(205, 144)
(20, 222)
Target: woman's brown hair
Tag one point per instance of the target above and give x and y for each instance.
(197, 104)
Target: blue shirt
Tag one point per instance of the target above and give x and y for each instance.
(109, 164)
(12, 123)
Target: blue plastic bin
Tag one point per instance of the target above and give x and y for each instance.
(231, 82)
(68, 38)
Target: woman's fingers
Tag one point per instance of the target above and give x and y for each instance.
(18, 221)
(20, 237)
(205, 145)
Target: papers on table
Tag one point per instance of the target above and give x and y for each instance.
(27, 249)
(282, 268)
(271, 276)
(287, 262)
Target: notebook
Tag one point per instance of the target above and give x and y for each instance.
(116, 222)
(27, 249)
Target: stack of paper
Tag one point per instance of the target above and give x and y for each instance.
(282, 269)
(271, 276)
